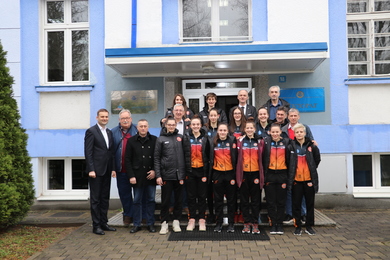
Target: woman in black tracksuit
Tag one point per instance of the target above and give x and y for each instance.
(196, 143)
(303, 177)
(223, 159)
(275, 162)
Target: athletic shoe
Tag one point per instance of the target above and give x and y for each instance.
(191, 224)
(230, 228)
(298, 231)
(247, 228)
(279, 229)
(164, 228)
(176, 226)
(288, 220)
(310, 231)
(303, 219)
(202, 224)
(255, 229)
(273, 230)
(218, 228)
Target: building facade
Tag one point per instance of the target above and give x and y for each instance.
(331, 59)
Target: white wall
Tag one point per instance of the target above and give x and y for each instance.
(149, 23)
(365, 101)
(64, 110)
(10, 39)
(117, 23)
(332, 173)
(297, 21)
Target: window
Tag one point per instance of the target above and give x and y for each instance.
(215, 20)
(65, 176)
(66, 42)
(371, 174)
(368, 37)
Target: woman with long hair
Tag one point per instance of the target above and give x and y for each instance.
(263, 123)
(223, 158)
(250, 176)
(212, 123)
(197, 171)
(237, 122)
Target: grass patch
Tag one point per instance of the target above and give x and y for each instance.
(21, 241)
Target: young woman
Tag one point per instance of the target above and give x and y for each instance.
(223, 158)
(250, 176)
(197, 171)
(275, 162)
(262, 126)
(237, 122)
(212, 124)
(303, 177)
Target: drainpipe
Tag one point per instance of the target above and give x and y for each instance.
(134, 24)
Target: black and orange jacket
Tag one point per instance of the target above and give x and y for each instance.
(223, 156)
(250, 154)
(276, 156)
(302, 156)
(197, 151)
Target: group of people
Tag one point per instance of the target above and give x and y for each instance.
(207, 159)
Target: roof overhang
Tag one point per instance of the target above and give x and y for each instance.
(218, 60)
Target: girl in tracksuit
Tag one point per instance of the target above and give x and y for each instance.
(275, 162)
(223, 158)
(237, 122)
(303, 177)
(197, 171)
(250, 176)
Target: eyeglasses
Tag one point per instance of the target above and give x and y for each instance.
(125, 118)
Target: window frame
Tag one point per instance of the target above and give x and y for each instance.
(64, 194)
(67, 27)
(376, 190)
(370, 17)
(215, 32)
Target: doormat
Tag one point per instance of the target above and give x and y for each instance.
(210, 235)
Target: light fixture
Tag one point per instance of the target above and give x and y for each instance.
(208, 68)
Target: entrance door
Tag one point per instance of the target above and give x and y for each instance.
(226, 90)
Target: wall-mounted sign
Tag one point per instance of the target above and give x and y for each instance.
(305, 99)
(137, 101)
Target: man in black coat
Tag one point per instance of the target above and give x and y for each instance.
(249, 110)
(274, 102)
(99, 156)
(140, 171)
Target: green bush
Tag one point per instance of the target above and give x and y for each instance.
(16, 182)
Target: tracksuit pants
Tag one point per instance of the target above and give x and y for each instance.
(224, 184)
(196, 185)
(167, 189)
(250, 197)
(302, 189)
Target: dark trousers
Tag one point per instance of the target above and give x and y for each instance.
(196, 185)
(125, 193)
(99, 190)
(167, 189)
(300, 190)
(224, 185)
(144, 204)
(276, 194)
(250, 197)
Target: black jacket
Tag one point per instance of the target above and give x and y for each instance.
(169, 163)
(205, 150)
(313, 159)
(139, 158)
(250, 111)
(266, 157)
(204, 115)
(267, 104)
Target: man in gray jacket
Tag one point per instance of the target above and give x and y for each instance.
(169, 166)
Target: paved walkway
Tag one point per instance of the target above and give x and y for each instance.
(358, 234)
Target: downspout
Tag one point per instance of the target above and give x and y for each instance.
(134, 24)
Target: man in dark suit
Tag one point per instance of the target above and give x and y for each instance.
(249, 110)
(99, 156)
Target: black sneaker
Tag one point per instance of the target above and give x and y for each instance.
(310, 231)
(303, 219)
(273, 230)
(230, 228)
(218, 228)
(288, 219)
(298, 231)
(279, 230)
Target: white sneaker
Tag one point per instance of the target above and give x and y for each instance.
(164, 228)
(176, 226)
(202, 224)
(191, 224)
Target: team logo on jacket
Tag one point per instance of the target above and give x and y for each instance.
(191, 140)
(309, 149)
(284, 186)
(281, 143)
(255, 144)
(181, 182)
(256, 181)
(310, 184)
(245, 144)
(232, 182)
(234, 146)
(227, 144)
(178, 139)
(204, 179)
